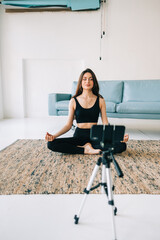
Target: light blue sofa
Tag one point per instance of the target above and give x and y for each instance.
(124, 99)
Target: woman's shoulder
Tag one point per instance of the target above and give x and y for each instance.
(100, 96)
(72, 105)
(72, 100)
(101, 101)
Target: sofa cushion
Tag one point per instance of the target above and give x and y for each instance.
(138, 107)
(62, 105)
(141, 91)
(110, 107)
(62, 113)
(111, 90)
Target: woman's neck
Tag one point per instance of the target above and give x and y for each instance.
(87, 93)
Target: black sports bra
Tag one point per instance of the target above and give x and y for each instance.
(87, 115)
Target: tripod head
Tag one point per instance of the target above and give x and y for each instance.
(107, 136)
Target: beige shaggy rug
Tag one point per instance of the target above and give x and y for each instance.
(28, 167)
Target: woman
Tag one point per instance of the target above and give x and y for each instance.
(85, 105)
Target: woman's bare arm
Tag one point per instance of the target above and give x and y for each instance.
(67, 126)
(103, 111)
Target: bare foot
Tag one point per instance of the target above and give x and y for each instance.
(88, 149)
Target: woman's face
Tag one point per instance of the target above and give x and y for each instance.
(87, 81)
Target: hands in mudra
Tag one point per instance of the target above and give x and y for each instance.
(49, 137)
(126, 137)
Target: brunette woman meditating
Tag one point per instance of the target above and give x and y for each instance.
(85, 105)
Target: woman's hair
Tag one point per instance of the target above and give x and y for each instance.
(95, 88)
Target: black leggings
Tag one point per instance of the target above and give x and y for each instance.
(72, 145)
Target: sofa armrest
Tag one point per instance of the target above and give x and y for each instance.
(56, 97)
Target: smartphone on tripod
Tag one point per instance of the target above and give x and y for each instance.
(107, 134)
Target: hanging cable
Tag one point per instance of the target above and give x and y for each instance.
(104, 16)
(102, 19)
(103, 24)
(101, 32)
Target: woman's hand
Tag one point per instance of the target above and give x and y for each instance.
(49, 137)
(126, 137)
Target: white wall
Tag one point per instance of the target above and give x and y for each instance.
(1, 104)
(1, 100)
(52, 75)
(44, 52)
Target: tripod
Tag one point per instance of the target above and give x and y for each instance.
(106, 183)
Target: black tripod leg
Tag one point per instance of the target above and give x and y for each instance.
(87, 190)
(115, 211)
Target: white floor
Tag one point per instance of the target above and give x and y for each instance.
(24, 217)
